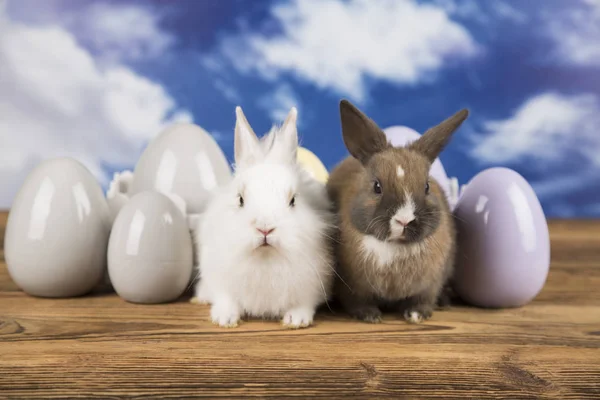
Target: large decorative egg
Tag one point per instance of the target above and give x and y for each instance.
(150, 250)
(184, 160)
(400, 136)
(503, 241)
(312, 164)
(57, 231)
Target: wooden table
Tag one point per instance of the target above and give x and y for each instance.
(99, 346)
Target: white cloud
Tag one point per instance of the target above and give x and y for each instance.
(339, 45)
(121, 31)
(228, 91)
(220, 136)
(482, 12)
(279, 102)
(506, 11)
(555, 134)
(560, 184)
(545, 128)
(576, 33)
(468, 9)
(55, 100)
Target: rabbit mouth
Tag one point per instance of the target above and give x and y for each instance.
(266, 249)
(398, 239)
(265, 244)
(397, 236)
(404, 236)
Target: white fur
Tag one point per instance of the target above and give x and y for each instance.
(406, 214)
(384, 253)
(400, 171)
(292, 277)
(414, 317)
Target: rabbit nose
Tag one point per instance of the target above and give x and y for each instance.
(266, 232)
(404, 221)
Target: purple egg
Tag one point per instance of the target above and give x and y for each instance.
(503, 241)
(400, 136)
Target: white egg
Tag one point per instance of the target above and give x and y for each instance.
(150, 250)
(57, 231)
(184, 160)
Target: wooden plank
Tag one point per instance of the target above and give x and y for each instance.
(99, 346)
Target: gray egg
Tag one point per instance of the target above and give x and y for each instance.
(150, 250)
(504, 244)
(184, 160)
(57, 231)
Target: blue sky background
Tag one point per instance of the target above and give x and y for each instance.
(97, 79)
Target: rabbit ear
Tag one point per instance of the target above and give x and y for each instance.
(435, 139)
(285, 142)
(267, 140)
(362, 137)
(247, 148)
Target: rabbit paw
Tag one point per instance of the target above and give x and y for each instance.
(298, 318)
(416, 315)
(199, 300)
(370, 314)
(202, 295)
(225, 314)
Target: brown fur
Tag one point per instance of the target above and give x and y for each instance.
(421, 263)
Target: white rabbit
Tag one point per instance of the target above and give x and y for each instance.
(265, 241)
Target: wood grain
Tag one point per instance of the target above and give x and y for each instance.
(99, 346)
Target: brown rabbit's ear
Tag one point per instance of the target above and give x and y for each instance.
(362, 136)
(436, 138)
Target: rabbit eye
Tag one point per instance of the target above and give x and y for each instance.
(241, 201)
(377, 187)
(293, 201)
(427, 188)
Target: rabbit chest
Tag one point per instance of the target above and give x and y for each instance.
(395, 271)
(271, 286)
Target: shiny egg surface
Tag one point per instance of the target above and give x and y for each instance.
(503, 241)
(150, 250)
(57, 231)
(185, 160)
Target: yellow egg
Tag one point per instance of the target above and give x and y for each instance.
(312, 164)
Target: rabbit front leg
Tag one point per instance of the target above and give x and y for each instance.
(299, 317)
(419, 308)
(362, 307)
(224, 311)
(202, 294)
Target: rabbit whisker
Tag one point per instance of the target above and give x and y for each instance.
(374, 221)
(312, 267)
(335, 272)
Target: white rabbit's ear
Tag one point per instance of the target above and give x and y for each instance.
(285, 144)
(247, 148)
(268, 139)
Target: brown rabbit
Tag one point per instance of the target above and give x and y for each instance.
(396, 234)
